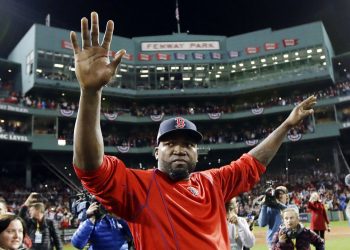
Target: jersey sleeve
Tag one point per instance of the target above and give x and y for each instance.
(116, 187)
(239, 176)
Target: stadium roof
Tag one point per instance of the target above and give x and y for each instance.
(157, 17)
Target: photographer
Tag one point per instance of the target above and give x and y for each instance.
(293, 235)
(274, 202)
(102, 231)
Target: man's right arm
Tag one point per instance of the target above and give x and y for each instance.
(93, 70)
(88, 141)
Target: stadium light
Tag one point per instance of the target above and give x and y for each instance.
(322, 57)
(144, 71)
(222, 67)
(118, 76)
(297, 58)
(143, 76)
(319, 50)
(285, 56)
(296, 53)
(217, 76)
(199, 68)
(186, 78)
(160, 68)
(234, 66)
(241, 65)
(263, 60)
(252, 62)
(39, 70)
(58, 65)
(61, 142)
(309, 51)
(123, 70)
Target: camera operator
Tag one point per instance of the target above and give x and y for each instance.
(275, 201)
(102, 231)
(239, 232)
(293, 235)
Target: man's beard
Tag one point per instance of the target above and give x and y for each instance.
(179, 175)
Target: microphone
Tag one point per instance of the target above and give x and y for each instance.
(347, 180)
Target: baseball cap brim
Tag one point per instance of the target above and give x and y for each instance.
(192, 134)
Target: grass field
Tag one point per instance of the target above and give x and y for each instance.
(337, 239)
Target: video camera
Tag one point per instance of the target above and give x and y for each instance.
(271, 195)
(82, 202)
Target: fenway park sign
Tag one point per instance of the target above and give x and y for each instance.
(196, 45)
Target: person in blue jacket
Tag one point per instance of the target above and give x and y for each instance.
(102, 231)
(270, 213)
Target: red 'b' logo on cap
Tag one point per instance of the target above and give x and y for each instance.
(180, 122)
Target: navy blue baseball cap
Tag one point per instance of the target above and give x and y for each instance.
(178, 125)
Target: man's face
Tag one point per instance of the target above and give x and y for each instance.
(177, 156)
(290, 220)
(33, 213)
(283, 198)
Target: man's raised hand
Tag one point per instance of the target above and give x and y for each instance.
(301, 111)
(92, 65)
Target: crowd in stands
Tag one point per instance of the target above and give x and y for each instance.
(228, 134)
(141, 110)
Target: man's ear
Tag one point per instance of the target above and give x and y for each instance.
(156, 153)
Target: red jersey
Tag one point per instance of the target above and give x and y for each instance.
(163, 214)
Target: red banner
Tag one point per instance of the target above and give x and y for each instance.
(128, 57)
(252, 50)
(66, 44)
(144, 57)
(163, 57)
(270, 46)
(290, 42)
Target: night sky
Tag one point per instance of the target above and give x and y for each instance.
(157, 17)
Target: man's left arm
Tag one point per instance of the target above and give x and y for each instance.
(267, 149)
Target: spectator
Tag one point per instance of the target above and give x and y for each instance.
(42, 231)
(238, 228)
(319, 219)
(12, 231)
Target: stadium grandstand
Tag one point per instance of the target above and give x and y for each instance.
(236, 89)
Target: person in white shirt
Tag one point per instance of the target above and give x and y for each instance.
(239, 232)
